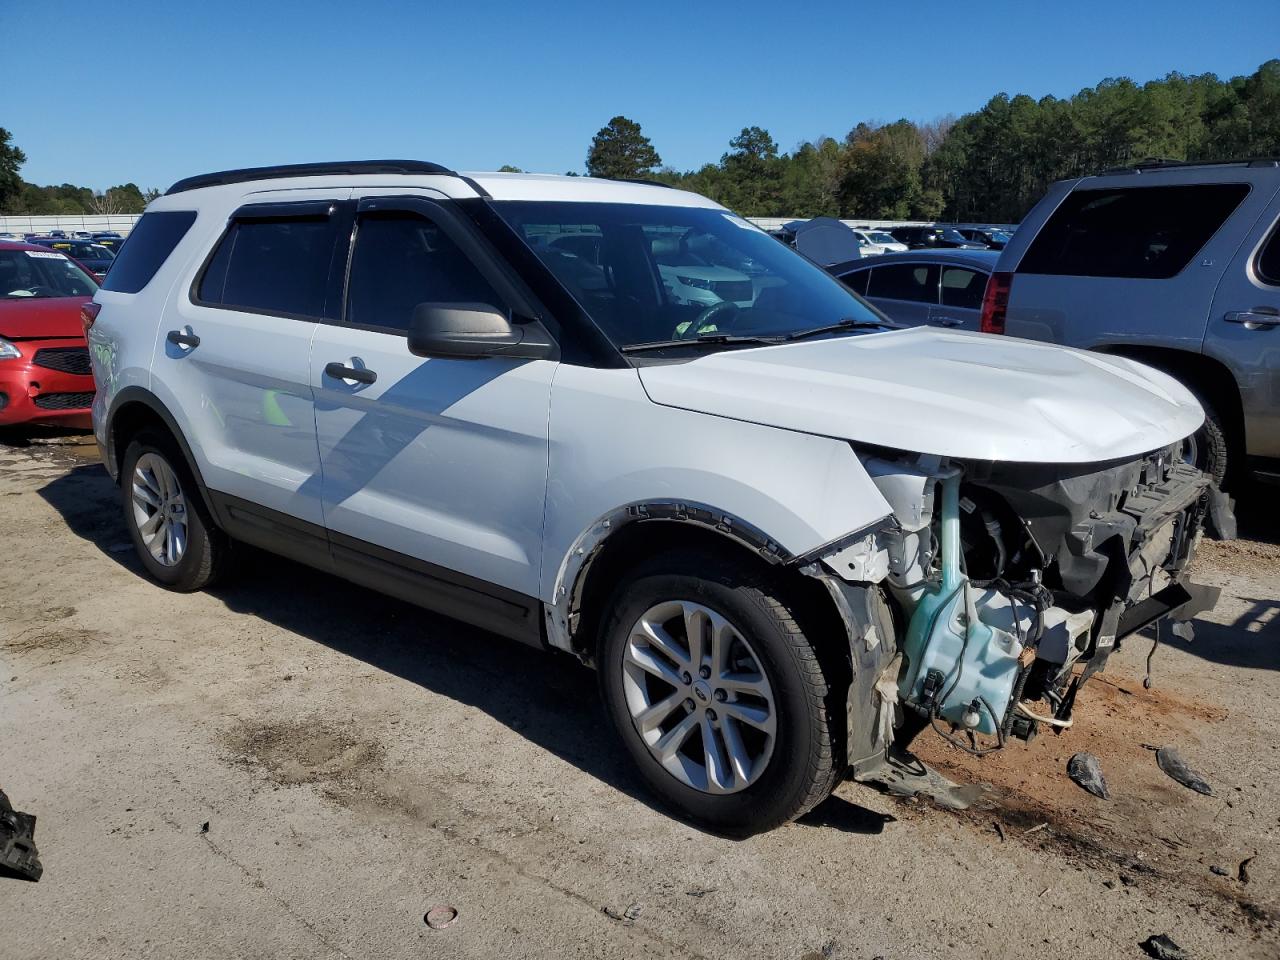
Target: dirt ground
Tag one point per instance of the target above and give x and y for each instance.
(358, 762)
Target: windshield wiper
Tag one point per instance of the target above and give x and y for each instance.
(849, 323)
(706, 339)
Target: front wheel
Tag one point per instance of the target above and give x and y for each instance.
(717, 693)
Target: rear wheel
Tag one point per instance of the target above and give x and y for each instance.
(717, 693)
(174, 536)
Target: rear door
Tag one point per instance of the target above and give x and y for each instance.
(906, 292)
(435, 470)
(1244, 331)
(233, 355)
(961, 290)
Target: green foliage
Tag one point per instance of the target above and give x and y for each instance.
(995, 163)
(11, 158)
(619, 150)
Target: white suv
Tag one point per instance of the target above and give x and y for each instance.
(786, 534)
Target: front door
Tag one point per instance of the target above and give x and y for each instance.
(1244, 331)
(435, 470)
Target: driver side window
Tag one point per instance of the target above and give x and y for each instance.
(401, 260)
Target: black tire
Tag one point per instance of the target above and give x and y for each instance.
(1212, 451)
(808, 756)
(206, 555)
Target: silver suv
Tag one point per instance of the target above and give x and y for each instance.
(1173, 264)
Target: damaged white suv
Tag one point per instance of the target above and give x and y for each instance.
(788, 535)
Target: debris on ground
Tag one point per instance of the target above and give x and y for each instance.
(1086, 771)
(18, 857)
(700, 891)
(1242, 872)
(204, 827)
(627, 916)
(1173, 764)
(1220, 871)
(1162, 948)
(437, 918)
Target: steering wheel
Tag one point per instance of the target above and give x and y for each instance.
(707, 316)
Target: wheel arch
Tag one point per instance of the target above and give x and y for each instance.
(622, 538)
(134, 409)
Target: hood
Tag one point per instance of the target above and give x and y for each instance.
(30, 318)
(951, 393)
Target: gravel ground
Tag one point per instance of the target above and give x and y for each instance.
(358, 762)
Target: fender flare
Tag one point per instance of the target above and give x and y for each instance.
(571, 577)
(111, 456)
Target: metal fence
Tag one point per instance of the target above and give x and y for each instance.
(91, 223)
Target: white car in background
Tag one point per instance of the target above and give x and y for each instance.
(876, 242)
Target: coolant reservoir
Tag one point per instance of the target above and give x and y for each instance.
(953, 658)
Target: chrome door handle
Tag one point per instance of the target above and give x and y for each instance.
(341, 371)
(180, 339)
(1254, 319)
(949, 322)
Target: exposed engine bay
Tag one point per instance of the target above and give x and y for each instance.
(1008, 586)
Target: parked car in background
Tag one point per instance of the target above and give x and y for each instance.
(992, 237)
(879, 241)
(943, 288)
(45, 375)
(748, 519)
(1173, 264)
(81, 235)
(96, 257)
(107, 235)
(112, 243)
(919, 238)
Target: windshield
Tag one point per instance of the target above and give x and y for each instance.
(953, 235)
(82, 250)
(882, 238)
(650, 273)
(1001, 236)
(26, 274)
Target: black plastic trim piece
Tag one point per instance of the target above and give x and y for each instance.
(335, 168)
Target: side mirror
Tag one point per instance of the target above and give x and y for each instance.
(475, 330)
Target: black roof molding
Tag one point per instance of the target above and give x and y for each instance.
(1158, 163)
(337, 168)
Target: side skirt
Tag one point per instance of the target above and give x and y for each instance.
(439, 589)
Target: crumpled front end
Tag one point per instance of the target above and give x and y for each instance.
(1010, 584)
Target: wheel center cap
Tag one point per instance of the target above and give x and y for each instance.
(702, 691)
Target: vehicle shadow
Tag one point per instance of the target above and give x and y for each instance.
(549, 698)
(1252, 640)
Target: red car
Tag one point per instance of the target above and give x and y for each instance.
(45, 375)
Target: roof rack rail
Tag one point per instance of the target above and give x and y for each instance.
(349, 167)
(1160, 163)
(640, 180)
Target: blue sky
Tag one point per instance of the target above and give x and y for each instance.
(151, 92)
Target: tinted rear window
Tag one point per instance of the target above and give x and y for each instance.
(905, 281)
(856, 281)
(150, 243)
(1137, 232)
(271, 266)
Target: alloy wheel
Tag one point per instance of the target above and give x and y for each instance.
(159, 509)
(698, 697)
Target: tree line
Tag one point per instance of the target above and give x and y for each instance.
(18, 196)
(989, 165)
